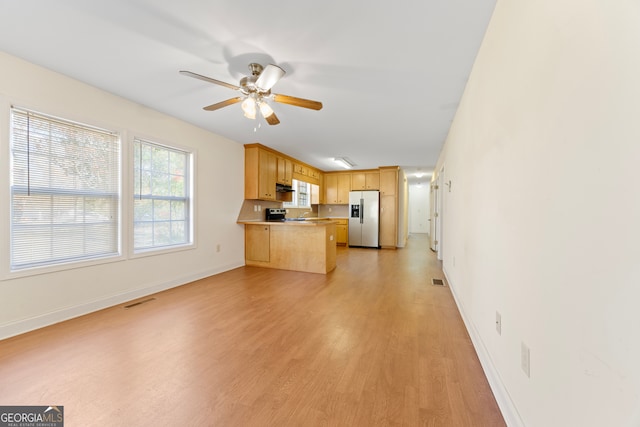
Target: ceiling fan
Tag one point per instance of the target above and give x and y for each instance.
(256, 91)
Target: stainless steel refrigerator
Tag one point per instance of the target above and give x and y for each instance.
(364, 218)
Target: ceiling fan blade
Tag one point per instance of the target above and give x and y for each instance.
(269, 76)
(298, 102)
(222, 104)
(209, 79)
(272, 119)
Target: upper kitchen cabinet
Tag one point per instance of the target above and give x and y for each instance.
(315, 175)
(316, 195)
(260, 175)
(285, 171)
(337, 187)
(389, 180)
(306, 173)
(299, 169)
(365, 180)
(330, 188)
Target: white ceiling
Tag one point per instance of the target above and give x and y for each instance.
(390, 75)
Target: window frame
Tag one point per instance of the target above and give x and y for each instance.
(295, 204)
(192, 199)
(6, 270)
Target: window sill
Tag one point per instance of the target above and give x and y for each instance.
(162, 250)
(47, 269)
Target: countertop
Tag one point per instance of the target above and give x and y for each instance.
(307, 222)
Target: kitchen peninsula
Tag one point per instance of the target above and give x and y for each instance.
(308, 246)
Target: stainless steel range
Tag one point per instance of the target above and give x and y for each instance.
(275, 214)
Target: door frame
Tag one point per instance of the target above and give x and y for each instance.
(433, 207)
(437, 213)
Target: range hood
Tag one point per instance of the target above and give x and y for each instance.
(281, 188)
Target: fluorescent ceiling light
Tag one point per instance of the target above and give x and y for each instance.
(345, 163)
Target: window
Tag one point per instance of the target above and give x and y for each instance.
(301, 195)
(162, 204)
(65, 191)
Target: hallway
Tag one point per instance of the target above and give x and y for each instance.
(372, 343)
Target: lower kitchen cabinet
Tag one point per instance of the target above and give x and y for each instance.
(342, 232)
(257, 242)
(308, 246)
(388, 222)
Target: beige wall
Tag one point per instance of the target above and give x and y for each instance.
(37, 300)
(543, 220)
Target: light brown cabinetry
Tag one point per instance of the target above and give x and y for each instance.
(314, 174)
(388, 181)
(256, 242)
(306, 174)
(344, 186)
(337, 187)
(342, 231)
(303, 246)
(285, 171)
(300, 169)
(365, 181)
(330, 188)
(267, 175)
(315, 194)
(388, 222)
(260, 175)
(388, 207)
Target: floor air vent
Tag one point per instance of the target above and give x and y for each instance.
(437, 282)
(135, 304)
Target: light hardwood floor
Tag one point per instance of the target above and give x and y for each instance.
(371, 344)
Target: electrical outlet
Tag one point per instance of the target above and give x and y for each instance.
(255, 208)
(218, 247)
(259, 208)
(525, 360)
(498, 323)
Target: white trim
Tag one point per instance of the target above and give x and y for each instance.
(505, 403)
(60, 266)
(25, 325)
(132, 252)
(7, 104)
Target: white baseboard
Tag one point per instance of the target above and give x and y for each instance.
(505, 403)
(25, 325)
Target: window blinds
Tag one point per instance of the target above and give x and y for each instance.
(65, 191)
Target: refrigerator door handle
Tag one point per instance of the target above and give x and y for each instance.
(361, 211)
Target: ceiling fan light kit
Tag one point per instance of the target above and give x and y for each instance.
(256, 89)
(266, 110)
(249, 107)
